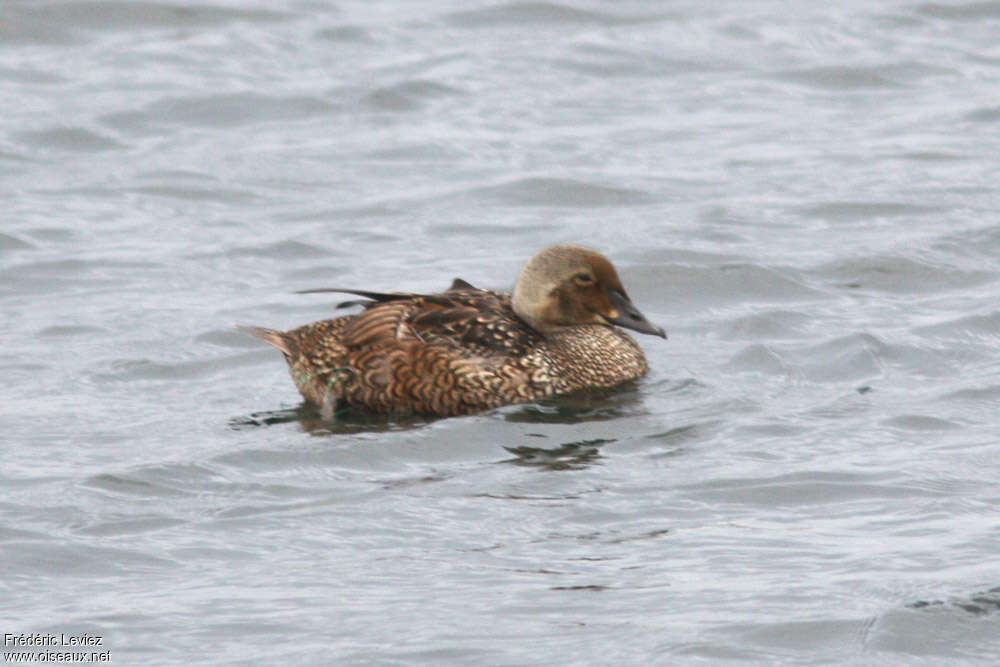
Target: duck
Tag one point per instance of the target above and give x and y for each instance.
(468, 350)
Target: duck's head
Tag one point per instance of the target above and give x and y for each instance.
(566, 285)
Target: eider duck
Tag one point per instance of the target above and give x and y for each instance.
(467, 350)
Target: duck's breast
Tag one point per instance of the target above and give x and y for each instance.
(592, 356)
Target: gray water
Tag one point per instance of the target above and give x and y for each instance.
(803, 194)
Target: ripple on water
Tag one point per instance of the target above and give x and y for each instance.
(348, 34)
(141, 484)
(804, 488)
(972, 405)
(899, 275)
(865, 211)
(608, 61)
(703, 288)
(768, 325)
(68, 139)
(852, 357)
(567, 456)
(147, 370)
(961, 11)
(195, 193)
(547, 191)
(965, 328)
(987, 115)
(987, 602)
(422, 151)
(853, 78)
(218, 111)
(408, 95)
(939, 629)
(537, 14)
(287, 250)
(9, 242)
(849, 358)
(93, 15)
(921, 423)
(840, 78)
(45, 276)
(981, 243)
(758, 358)
(78, 560)
(822, 639)
(132, 524)
(72, 330)
(478, 231)
(64, 23)
(987, 395)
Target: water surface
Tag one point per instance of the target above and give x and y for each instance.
(804, 196)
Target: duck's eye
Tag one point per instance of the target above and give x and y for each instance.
(583, 278)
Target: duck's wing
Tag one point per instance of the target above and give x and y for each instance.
(372, 298)
(459, 284)
(480, 322)
(382, 297)
(469, 321)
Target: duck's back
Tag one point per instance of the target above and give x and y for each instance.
(459, 352)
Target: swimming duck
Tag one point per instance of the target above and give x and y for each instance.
(467, 350)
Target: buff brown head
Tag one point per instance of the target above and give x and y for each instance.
(566, 285)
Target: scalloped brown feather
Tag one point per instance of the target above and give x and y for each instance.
(458, 352)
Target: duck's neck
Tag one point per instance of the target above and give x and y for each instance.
(524, 308)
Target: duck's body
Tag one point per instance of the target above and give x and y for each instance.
(467, 350)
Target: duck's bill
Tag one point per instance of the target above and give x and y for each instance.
(630, 317)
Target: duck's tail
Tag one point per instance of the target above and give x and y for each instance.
(279, 339)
